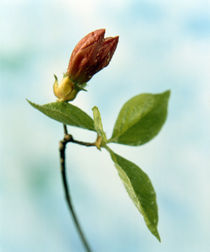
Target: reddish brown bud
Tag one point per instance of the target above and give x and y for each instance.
(90, 55)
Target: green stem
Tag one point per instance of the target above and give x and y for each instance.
(68, 138)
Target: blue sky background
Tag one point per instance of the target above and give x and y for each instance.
(163, 45)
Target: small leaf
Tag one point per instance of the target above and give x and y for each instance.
(140, 119)
(140, 190)
(66, 113)
(98, 124)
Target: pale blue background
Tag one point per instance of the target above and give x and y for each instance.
(163, 45)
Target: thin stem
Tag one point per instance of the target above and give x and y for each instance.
(82, 143)
(68, 138)
(65, 129)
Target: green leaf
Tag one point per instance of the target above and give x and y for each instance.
(66, 113)
(140, 119)
(98, 123)
(140, 190)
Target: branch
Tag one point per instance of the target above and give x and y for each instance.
(62, 147)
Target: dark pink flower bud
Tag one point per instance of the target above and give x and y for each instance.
(90, 55)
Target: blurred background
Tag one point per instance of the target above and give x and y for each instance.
(163, 45)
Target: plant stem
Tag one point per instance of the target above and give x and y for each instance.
(65, 129)
(68, 138)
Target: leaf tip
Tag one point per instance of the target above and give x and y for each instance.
(155, 232)
(168, 93)
(158, 237)
(30, 102)
(94, 108)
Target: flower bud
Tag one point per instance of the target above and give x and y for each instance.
(90, 55)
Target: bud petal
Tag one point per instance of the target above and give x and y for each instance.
(104, 54)
(90, 55)
(88, 41)
(84, 52)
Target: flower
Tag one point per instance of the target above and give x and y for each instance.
(90, 55)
